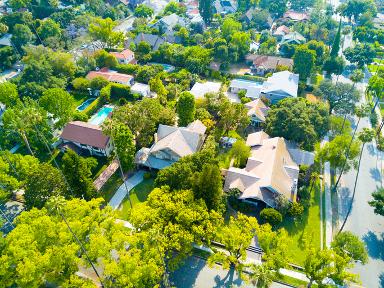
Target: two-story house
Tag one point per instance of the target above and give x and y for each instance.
(172, 143)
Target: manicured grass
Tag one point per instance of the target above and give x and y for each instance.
(138, 195)
(110, 187)
(308, 226)
(293, 281)
(79, 97)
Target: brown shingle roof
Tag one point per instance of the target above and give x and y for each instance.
(85, 133)
(270, 62)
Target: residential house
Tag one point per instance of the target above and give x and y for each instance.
(296, 16)
(225, 6)
(200, 89)
(263, 64)
(6, 40)
(257, 111)
(280, 32)
(88, 137)
(142, 89)
(166, 24)
(252, 89)
(154, 40)
(280, 85)
(270, 172)
(293, 38)
(172, 143)
(111, 76)
(125, 57)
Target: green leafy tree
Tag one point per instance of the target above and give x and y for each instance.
(229, 27)
(49, 29)
(42, 183)
(52, 255)
(360, 54)
(378, 201)
(236, 236)
(7, 58)
(24, 119)
(142, 52)
(232, 116)
(157, 86)
(8, 94)
(186, 108)
(341, 97)
(209, 187)
(104, 59)
(60, 104)
(298, 120)
(123, 142)
(205, 8)
(240, 152)
(102, 30)
(143, 118)
(78, 172)
(143, 10)
(179, 219)
(303, 61)
(355, 8)
(349, 245)
(22, 35)
(336, 43)
(334, 65)
(262, 276)
(340, 152)
(275, 245)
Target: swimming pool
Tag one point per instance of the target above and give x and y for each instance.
(85, 104)
(101, 115)
(167, 68)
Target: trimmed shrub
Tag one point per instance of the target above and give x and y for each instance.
(271, 216)
(296, 210)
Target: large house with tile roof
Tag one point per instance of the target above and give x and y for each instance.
(111, 76)
(270, 171)
(172, 143)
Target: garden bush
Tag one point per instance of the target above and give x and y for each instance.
(271, 216)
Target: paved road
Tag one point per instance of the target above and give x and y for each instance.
(362, 221)
(120, 194)
(195, 273)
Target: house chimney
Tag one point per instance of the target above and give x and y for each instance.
(155, 137)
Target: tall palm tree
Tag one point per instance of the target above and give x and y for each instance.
(262, 275)
(55, 205)
(365, 136)
(362, 111)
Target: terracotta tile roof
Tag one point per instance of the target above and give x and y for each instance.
(110, 76)
(282, 30)
(85, 133)
(125, 54)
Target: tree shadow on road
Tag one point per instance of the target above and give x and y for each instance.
(375, 245)
(187, 274)
(228, 280)
(345, 196)
(381, 280)
(375, 174)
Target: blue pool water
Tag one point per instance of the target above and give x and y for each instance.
(167, 67)
(85, 104)
(101, 115)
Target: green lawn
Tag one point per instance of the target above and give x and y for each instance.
(79, 97)
(308, 226)
(138, 195)
(110, 187)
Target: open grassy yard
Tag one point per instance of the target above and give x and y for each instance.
(308, 226)
(110, 187)
(138, 195)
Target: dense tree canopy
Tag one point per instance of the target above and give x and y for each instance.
(298, 120)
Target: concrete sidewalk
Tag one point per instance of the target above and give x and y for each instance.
(121, 193)
(328, 201)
